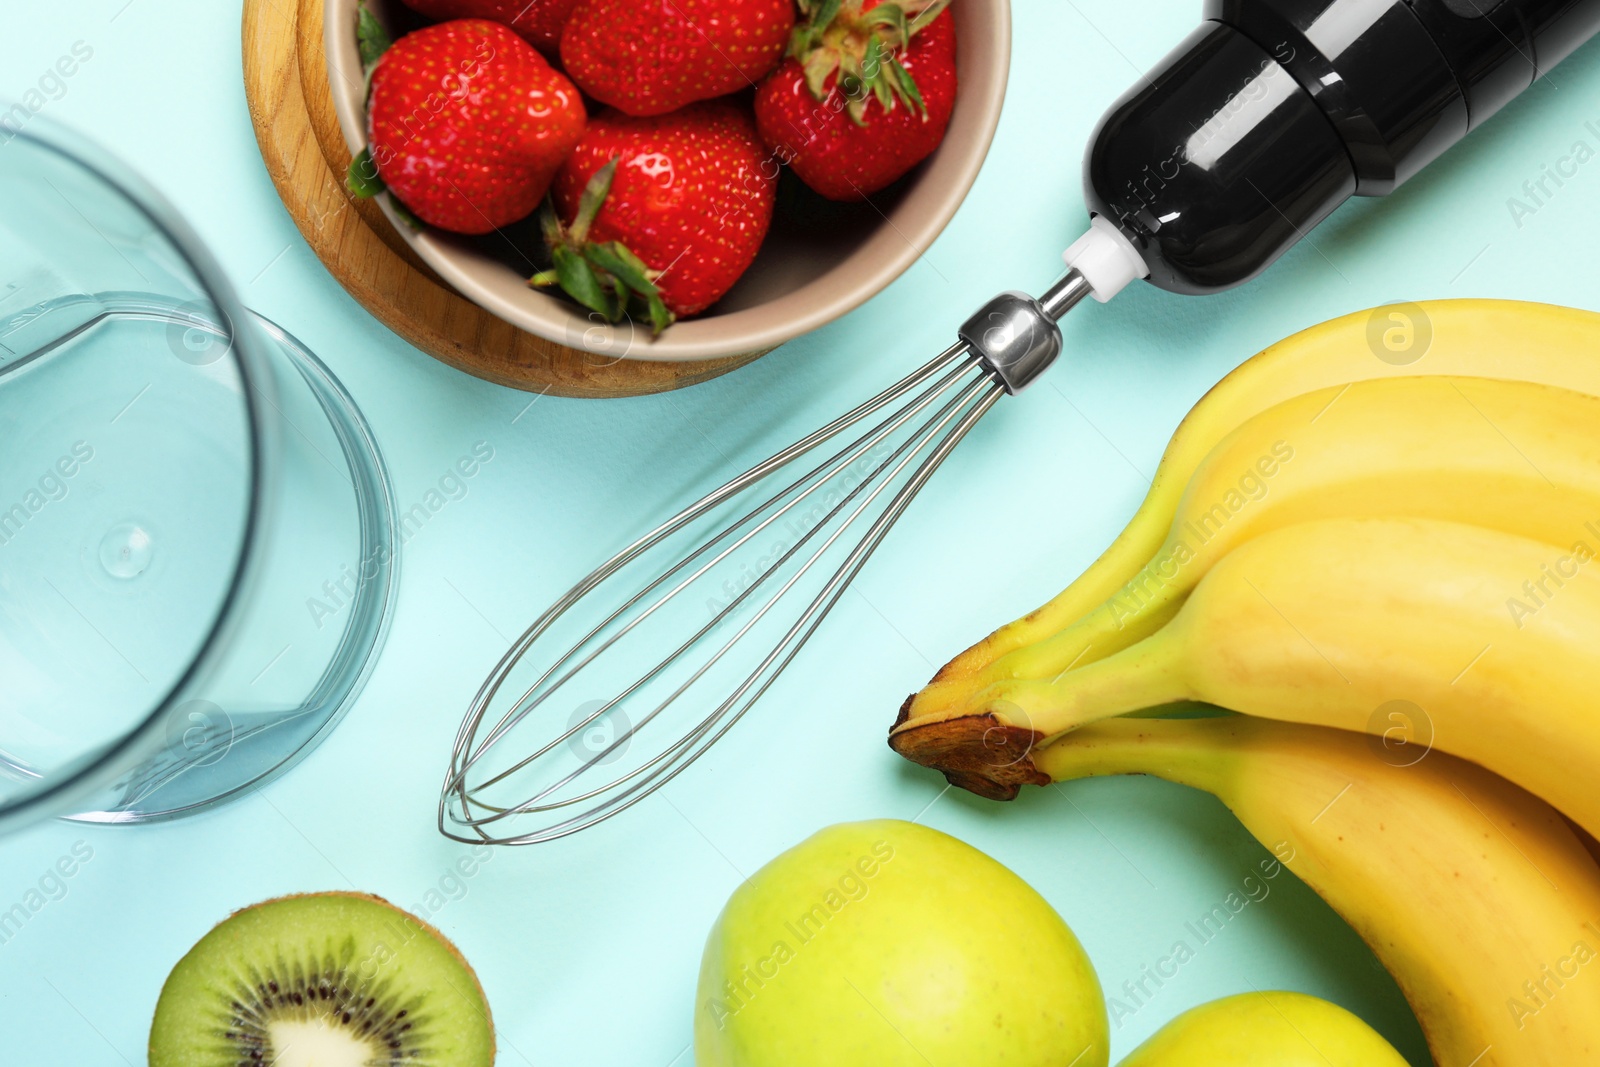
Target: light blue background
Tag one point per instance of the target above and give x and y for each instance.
(588, 949)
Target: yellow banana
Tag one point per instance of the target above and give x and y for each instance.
(1477, 338)
(1506, 455)
(1266, 1029)
(1482, 642)
(1474, 894)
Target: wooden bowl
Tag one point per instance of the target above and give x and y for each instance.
(820, 260)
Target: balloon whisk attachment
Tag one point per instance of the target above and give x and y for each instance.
(647, 662)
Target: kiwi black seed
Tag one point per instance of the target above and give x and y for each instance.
(328, 979)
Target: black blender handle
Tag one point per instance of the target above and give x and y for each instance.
(1274, 112)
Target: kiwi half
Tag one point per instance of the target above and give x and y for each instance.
(322, 980)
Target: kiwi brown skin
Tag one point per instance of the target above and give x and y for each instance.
(228, 1053)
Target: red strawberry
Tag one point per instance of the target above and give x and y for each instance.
(468, 124)
(864, 96)
(660, 212)
(649, 57)
(539, 22)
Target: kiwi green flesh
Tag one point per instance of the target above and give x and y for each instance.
(327, 980)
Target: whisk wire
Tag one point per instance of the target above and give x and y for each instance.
(528, 703)
(465, 802)
(842, 460)
(490, 688)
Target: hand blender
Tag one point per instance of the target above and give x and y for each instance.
(1247, 135)
(1263, 121)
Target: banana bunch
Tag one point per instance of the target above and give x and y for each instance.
(1476, 895)
(1266, 1029)
(1402, 554)
(1497, 339)
(1404, 551)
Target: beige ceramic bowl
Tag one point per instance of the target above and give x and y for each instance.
(809, 272)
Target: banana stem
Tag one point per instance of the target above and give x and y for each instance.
(1193, 752)
(1145, 675)
(1135, 611)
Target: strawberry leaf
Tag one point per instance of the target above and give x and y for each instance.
(928, 14)
(818, 66)
(907, 87)
(579, 281)
(614, 258)
(593, 199)
(372, 40)
(861, 49)
(550, 225)
(629, 270)
(412, 222)
(362, 178)
(660, 317)
(892, 17)
(815, 18)
(826, 13)
(872, 67)
(605, 277)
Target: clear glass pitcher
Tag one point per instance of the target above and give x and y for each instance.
(197, 550)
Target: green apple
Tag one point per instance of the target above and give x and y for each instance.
(1266, 1030)
(887, 944)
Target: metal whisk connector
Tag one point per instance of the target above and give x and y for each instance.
(676, 636)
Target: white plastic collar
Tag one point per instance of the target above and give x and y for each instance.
(1106, 258)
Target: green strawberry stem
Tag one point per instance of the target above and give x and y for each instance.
(836, 37)
(605, 277)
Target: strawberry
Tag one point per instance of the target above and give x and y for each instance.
(468, 125)
(649, 57)
(864, 95)
(539, 22)
(661, 213)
